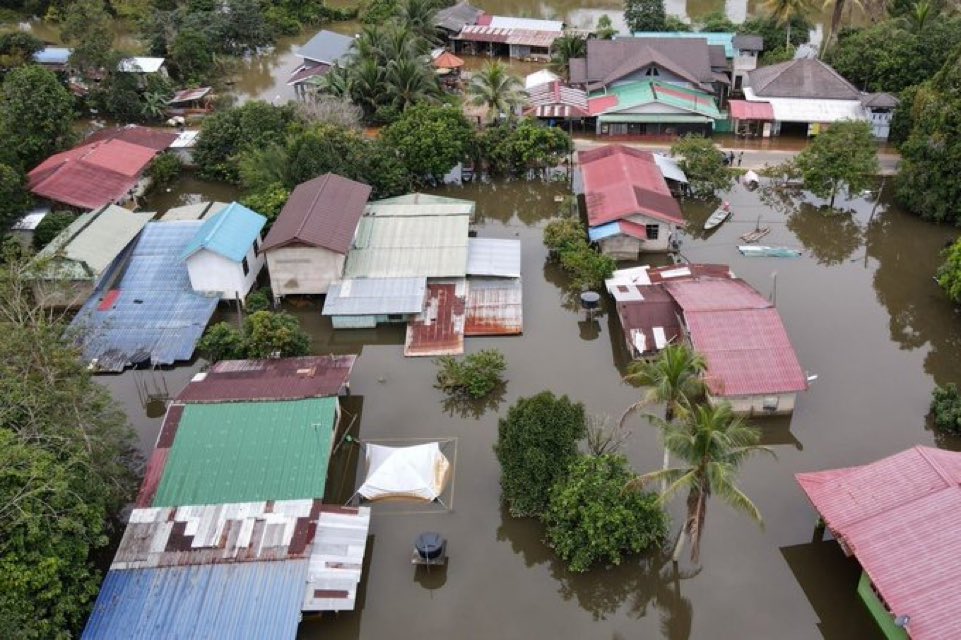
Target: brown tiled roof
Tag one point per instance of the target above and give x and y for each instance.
(717, 55)
(609, 60)
(322, 212)
(803, 78)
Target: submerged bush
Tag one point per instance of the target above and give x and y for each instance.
(475, 376)
(946, 408)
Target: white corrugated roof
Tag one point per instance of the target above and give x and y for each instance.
(811, 110)
(494, 257)
(669, 168)
(544, 76)
(30, 221)
(409, 245)
(185, 139)
(505, 22)
(375, 296)
(140, 65)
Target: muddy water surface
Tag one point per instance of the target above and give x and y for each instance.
(865, 317)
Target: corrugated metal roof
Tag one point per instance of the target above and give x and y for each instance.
(243, 451)
(197, 211)
(494, 257)
(494, 307)
(899, 516)
(807, 78)
(420, 204)
(716, 294)
(810, 109)
(719, 38)
(631, 95)
(53, 55)
(533, 24)
(650, 319)
(433, 246)
(540, 78)
(375, 296)
(270, 379)
(456, 17)
(508, 35)
(140, 65)
(32, 218)
(439, 329)
(229, 233)
(156, 317)
(557, 100)
(620, 181)
(322, 212)
(91, 242)
(326, 46)
(744, 110)
(186, 139)
(229, 602)
(189, 95)
(156, 139)
(669, 168)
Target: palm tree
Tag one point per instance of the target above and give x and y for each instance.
(919, 16)
(836, 16)
(565, 48)
(153, 105)
(495, 88)
(409, 81)
(418, 16)
(712, 444)
(783, 11)
(674, 379)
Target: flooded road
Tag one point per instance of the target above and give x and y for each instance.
(864, 315)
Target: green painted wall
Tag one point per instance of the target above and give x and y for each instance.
(883, 617)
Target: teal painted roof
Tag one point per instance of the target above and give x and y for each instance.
(724, 39)
(249, 452)
(229, 233)
(634, 94)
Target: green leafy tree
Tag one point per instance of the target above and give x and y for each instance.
(164, 170)
(711, 444)
(378, 11)
(14, 199)
(775, 34)
(431, 140)
(562, 234)
(17, 49)
(36, 115)
(703, 163)
(67, 457)
(225, 134)
(222, 341)
(268, 202)
(673, 23)
(949, 273)
(717, 22)
(586, 266)
(946, 408)
(591, 520)
(784, 12)
(843, 157)
(566, 47)
(268, 334)
(495, 88)
(419, 17)
(536, 442)
(902, 121)
(474, 376)
(777, 55)
(519, 146)
(645, 15)
(87, 26)
(50, 227)
(259, 300)
(192, 57)
(605, 28)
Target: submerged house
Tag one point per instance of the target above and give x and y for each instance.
(308, 243)
(67, 271)
(319, 55)
(223, 258)
(522, 38)
(451, 20)
(630, 209)
(363, 303)
(899, 517)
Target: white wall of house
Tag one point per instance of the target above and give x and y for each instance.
(303, 270)
(744, 61)
(760, 405)
(881, 122)
(212, 273)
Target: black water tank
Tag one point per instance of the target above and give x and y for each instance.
(429, 545)
(590, 300)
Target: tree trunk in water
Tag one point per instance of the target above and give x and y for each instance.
(835, 22)
(787, 38)
(679, 547)
(669, 417)
(834, 193)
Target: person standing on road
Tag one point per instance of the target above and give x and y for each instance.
(740, 157)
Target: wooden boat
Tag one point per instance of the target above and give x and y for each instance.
(763, 251)
(719, 216)
(757, 234)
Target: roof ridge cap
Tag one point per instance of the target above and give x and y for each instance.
(922, 451)
(313, 201)
(219, 218)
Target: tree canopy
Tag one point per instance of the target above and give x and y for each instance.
(703, 164)
(495, 88)
(949, 274)
(536, 442)
(36, 115)
(266, 334)
(843, 157)
(645, 15)
(431, 140)
(590, 519)
(515, 147)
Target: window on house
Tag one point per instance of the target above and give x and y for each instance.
(256, 245)
(653, 71)
(652, 230)
(770, 403)
(245, 266)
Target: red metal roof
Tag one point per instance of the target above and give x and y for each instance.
(716, 294)
(656, 309)
(744, 110)
(620, 181)
(156, 139)
(273, 379)
(447, 60)
(601, 104)
(556, 100)
(439, 329)
(900, 517)
(120, 156)
(322, 212)
(748, 352)
(678, 272)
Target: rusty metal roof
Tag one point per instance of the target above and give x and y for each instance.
(439, 329)
(900, 517)
(270, 379)
(494, 307)
(650, 319)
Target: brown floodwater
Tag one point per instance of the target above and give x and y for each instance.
(864, 315)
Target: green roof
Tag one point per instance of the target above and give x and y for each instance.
(249, 452)
(635, 94)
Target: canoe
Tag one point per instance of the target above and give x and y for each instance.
(763, 251)
(717, 218)
(757, 234)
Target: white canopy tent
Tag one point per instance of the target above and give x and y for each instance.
(419, 472)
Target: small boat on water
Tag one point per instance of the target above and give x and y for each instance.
(757, 234)
(763, 251)
(723, 213)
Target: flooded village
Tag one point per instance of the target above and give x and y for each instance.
(307, 469)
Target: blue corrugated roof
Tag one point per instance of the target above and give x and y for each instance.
(156, 316)
(52, 55)
(603, 231)
(229, 233)
(222, 601)
(719, 38)
(327, 47)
